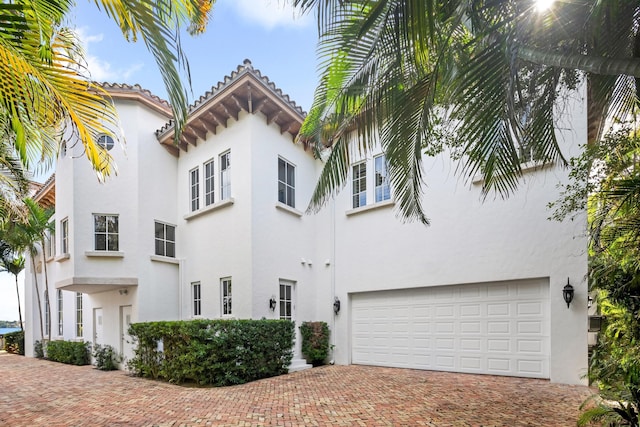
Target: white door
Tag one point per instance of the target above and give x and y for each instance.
(126, 345)
(498, 328)
(98, 327)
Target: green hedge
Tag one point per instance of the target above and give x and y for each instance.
(69, 352)
(216, 352)
(14, 342)
(315, 342)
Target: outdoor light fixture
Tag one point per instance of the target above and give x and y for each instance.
(567, 293)
(336, 306)
(272, 303)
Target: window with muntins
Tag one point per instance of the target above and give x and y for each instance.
(286, 301)
(106, 232)
(194, 185)
(64, 237)
(60, 314)
(225, 285)
(197, 298)
(209, 183)
(286, 183)
(165, 239)
(359, 185)
(50, 244)
(225, 176)
(381, 179)
(78, 314)
(47, 314)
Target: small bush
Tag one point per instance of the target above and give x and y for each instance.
(38, 349)
(315, 342)
(14, 342)
(69, 352)
(215, 352)
(106, 358)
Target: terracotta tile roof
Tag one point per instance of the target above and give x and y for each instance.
(245, 89)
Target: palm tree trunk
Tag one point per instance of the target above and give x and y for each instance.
(35, 277)
(46, 285)
(19, 309)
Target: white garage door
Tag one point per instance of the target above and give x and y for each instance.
(495, 328)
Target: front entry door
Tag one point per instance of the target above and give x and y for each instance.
(126, 345)
(98, 334)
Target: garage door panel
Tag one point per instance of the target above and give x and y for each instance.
(500, 328)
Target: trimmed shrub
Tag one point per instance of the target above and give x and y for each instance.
(69, 352)
(315, 342)
(105, 358)
(38, 349)
(14, 342)
(212, 352)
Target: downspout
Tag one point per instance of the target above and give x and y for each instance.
(333, 276)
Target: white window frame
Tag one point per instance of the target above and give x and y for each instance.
(194, 189)
(64, 236)
(59, 306)
(107, 234)
(164, 239)
(79, 320)
(196, 299)
(47, 314)
(209, 183)
(226, 296)
(224, 163)
(50, 244)
(381, 186)
(359, 182)
(284, 185)
(286, 300)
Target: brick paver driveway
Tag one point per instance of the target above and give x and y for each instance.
(35, 392)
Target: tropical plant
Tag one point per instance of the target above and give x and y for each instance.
(105, 357)
(47, 92)
(13, 263)
(315, 342)
(28, 232)
(494, 73)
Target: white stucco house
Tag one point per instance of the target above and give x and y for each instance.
(215, 228)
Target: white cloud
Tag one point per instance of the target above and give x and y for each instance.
(271, 13)
(102, 70)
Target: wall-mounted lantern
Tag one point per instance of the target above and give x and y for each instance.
(272, 303)
(567, 293)
(336, 306)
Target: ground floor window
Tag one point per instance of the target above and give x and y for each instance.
(225, 285)
(286, 300)
(78, 314)
(196, 297)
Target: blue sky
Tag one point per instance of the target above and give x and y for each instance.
(268, 32)
(278, 43)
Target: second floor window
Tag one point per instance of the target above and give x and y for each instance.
(165, 239)
(381, 183)
(64, 236)
(225, 175)
(209, 183)
(359, 179)
(106, 232)
(286, 183)
(194, 185)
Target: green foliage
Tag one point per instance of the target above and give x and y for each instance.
(215, 352)
(14, 342)
(69, 352)
(106, 358)
(38, 349)
(315, 342)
